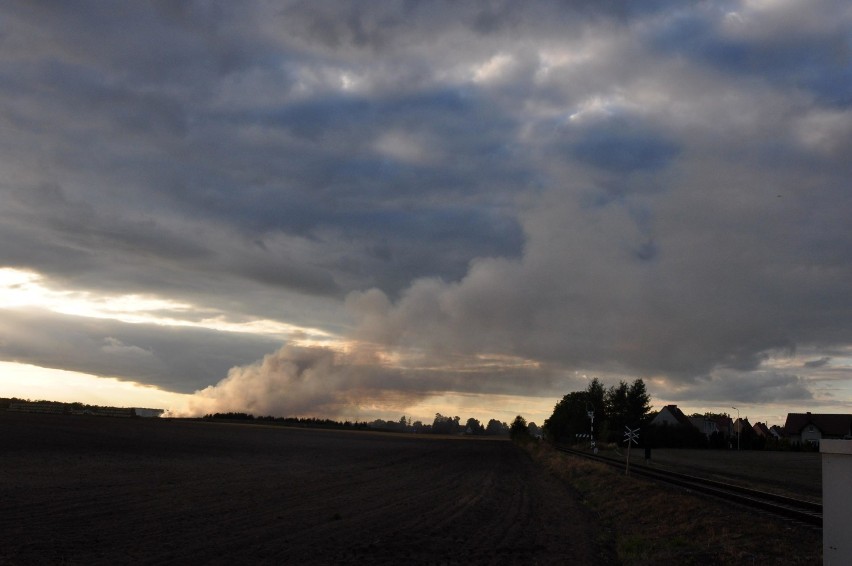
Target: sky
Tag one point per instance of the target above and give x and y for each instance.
(371, 209)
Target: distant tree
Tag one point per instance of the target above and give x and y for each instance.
(396, 426)
(473, 426)
(445, 425)
(496, 428)
(518, 429)
(569, 418)
(231, 416)
(534, 430)
(596, 397)
(439, 425)
(617, 408)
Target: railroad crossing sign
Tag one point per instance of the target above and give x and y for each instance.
(630, 435)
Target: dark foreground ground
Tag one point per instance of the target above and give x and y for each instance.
(99, 490)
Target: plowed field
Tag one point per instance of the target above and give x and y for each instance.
(99, 490)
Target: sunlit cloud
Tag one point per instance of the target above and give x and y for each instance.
(23, 289)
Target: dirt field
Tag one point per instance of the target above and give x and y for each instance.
(99, 490)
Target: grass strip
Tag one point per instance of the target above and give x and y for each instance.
(652, 523)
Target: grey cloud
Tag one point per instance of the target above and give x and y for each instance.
(790, 46)
(583, 184)
(622, 146)
(821, 362)
(751, 388)
(174, 359)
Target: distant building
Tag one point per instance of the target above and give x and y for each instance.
(111, 412)
(56, 407)
(724, 425)
(713, 424)
(810, 428)
(705, 425)
(37, 407)
(760, 429)
(148, 412)
(741, 424)
(671, 415)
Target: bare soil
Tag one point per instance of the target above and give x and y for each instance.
(100, 490)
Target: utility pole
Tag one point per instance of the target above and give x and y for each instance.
(739, 426)
(630, 435)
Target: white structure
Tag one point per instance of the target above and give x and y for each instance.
(139, 412)
(836, 502)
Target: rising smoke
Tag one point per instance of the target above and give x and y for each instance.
(308, 382)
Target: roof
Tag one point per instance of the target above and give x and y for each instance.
(741, 424)
(724, 424)
(721, 421)
(761, 429)
(828, 424)
(677, 414)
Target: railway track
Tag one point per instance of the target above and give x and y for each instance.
(806, 512)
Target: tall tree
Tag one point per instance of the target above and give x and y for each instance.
(614, 408)
(596, 397)
(518, 429)
(638, 404)
(617, 408)
(569, 418)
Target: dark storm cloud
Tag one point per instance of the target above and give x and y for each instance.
(317, 172)
(658, 189)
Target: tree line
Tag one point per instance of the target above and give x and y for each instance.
(441, 424)
(444, 424)
(613, 409)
